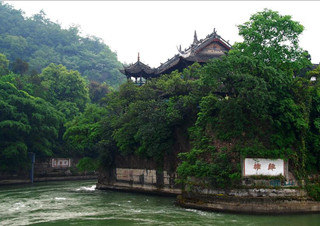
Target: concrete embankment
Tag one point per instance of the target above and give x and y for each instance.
(280, 200)
(146, 181)
(249, 205)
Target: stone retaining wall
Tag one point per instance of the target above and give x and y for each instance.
(139, 180)
(145, 176)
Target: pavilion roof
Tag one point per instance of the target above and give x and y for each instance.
(198, 51)
(138, 69)
(193, 53)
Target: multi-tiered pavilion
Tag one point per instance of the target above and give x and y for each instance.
(213, 46)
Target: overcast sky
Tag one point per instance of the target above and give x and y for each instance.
(156, 28)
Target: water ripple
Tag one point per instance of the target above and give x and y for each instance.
(78, 203)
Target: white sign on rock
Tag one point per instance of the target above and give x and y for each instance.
(60, 162)
(267, 167)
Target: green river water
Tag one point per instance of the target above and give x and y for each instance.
(78, 203)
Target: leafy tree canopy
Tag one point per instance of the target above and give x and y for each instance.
(39, 42)
(28, 124)
(4, 64)
(274, 40)
(65, 85)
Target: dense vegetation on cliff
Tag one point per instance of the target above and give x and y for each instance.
(34, 111)
(38, 42)
(269, 111)
(48, 76)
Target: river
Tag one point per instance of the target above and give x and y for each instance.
(78, 203)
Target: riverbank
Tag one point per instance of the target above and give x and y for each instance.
(45, 179)
(251, 199)
(248, 205)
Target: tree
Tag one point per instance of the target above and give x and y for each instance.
(4, 63)
(39, 42)
(314, 73)
(97, 91)
(274, 40)
(20, 67)
(27, 124)
(90, 134)
(85, 131)
(64, 85)
(145, 130)
(87, 164)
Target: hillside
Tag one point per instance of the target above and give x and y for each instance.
(39, 42)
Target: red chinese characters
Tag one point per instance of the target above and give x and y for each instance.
(271, 166)
(257, 166)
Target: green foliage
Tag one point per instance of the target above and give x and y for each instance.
(142, 120)
(20, 67)
(87, 164)
(314, 191)
(39, 42)
(4, 64)
(144, 129)
(61, 84)
(84, 132)
(35, 107)
(27, 124)
(256, 149)
(313, 133)
(315, 73)
(274, 40)
(265, 177)
(154, 133)
(97, 91)
(210, 167)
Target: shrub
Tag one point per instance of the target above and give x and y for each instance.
(87, 164)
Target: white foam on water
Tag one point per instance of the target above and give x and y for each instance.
(84, 188)
(17, 206)
(202, 213)
(135, 211)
